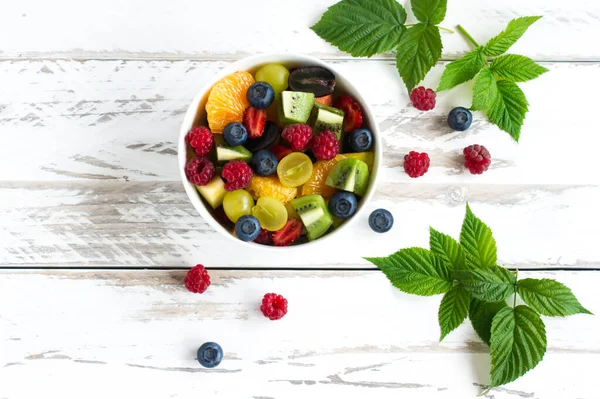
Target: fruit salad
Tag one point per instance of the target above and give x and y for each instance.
(282, 157)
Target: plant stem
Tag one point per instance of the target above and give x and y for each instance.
(467, 36)
(440, 27)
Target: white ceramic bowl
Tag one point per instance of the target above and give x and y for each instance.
(196, 116)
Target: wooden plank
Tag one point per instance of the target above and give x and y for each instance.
(346, 335)
(119, 120)
(236, 28)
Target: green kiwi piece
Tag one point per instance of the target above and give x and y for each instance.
(314, 214)
(295, 107)
(349, 175)
(327, 118)
(227, 153)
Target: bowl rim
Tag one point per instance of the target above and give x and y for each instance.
(248, 63)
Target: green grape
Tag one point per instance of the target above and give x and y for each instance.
(271, 213)
(295, 169)
(274, 74)
(237, 204)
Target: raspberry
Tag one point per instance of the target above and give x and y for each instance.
(326, 146)
(201, 140)
(197, 279)
(353, 118)
(416, 163)
(199, 171)
(264, 237)
(298, 136)
(274, 306)
(237, 174)
(477, 159)
(423, 99)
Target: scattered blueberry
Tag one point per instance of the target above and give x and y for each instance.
(460, 119)
(210, 354)
(342, 204)
(235, 134)
(268, 137)
(381, 221)
(260, 95)
(247, 228)
(361, 140)
(264, 162)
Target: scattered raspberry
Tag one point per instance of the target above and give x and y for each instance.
(255, 121)
(477, 159)
(416, 163)
(423, 99)
(298, 135)
(325, 146)
(288, 234)
(199, 171)
(264, 237)
(274, 306)
(201, 140)
(281, 151)
(237, 174)
(197, 279)
(353, 118)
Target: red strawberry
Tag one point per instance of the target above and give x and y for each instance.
(254, 122)
(281, 151)
(325, 100)
(288, 234)
(353, 118)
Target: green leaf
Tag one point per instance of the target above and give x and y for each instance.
(462, 70)
(517, 345)
(516, 68)
(447, 249)
(415, 271)
(509, 109)
(477, 242)
(430, 12)
(516, 28)
(485, 90)
(419, 49)
(453, 310)
(481, 315)
(493, 284)
(549, 297)
(362, 28)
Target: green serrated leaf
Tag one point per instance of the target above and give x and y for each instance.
(516, 28)
(430, 12)
(481, 315)
(517, 345)
(415, 271)
(516, 68)
(549, 297)
(419, 49)
(493, 284)
(462, 70)
(477, 242)
(485, 90)
(447, 249)
(509, 109)
(363, 28)
(453, 310)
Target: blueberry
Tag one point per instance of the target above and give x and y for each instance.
(260, 95)
(247, 228)
(264, 162)
(235, 134)
(210, 354)
(342, 204)
(381, 220)
(460, 119)
(361, 140)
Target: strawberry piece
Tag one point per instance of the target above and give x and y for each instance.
(288, 234)
(353, 118)
(255, 121)
(325, 100)
(281, 151)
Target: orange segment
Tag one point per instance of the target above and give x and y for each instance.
(316, 183)
(227, 100)
(271, 187)
(366, 157)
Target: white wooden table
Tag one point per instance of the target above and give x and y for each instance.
(96, 231)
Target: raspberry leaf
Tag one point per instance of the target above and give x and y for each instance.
(447, 249)
(453, 310)
(430, 12)
(516, 28)
(493, 284)
(416, 271)
(462, 70)
(509, 108)
(517, 344)
(362, 28)
(481, 315)
(516, 68)
(549, 297)
(477, 242)
(420, 47)
(485, 90)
